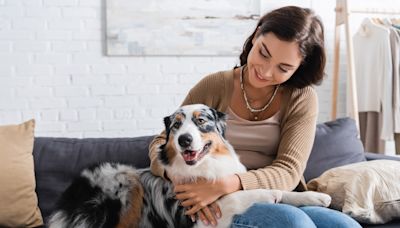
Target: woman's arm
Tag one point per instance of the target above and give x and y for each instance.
(203, 192)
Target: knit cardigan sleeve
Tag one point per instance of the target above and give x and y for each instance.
(298, 127)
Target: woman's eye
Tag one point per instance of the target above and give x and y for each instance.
(283, 70)
(263, 55)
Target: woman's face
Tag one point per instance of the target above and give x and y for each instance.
(272, 61)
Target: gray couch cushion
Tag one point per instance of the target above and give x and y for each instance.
(59, 160)
(336, 144)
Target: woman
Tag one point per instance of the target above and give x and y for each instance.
(272, 111)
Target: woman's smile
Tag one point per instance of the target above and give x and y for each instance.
(260, 78)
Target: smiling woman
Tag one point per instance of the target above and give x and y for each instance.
(271, 60)
(272, 110)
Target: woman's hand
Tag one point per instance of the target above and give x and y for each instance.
(209, 214)
(199, 195)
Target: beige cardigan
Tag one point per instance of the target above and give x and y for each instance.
(298, 123)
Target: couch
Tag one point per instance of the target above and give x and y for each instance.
(58, 160)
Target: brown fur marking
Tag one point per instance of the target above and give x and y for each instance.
(179, 117)
(131, 217)
(196, 114)
(218, 146)
(170, 149)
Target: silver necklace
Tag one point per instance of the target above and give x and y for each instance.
(254, 110)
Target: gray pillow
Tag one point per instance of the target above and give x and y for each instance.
(336, 144)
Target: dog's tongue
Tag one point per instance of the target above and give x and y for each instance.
(189, 155)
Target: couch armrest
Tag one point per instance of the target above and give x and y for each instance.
(373, 156)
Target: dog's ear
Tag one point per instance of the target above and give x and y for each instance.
(221, 115)
(220, 120)
(162, 156)
(167, 122)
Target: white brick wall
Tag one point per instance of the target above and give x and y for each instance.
(53, 69)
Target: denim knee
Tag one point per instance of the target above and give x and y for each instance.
(272, 215)
(329, 218)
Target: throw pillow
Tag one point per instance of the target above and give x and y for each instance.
(367, 191)
(18, 200)
(336, 143)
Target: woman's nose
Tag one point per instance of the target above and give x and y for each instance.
(266, 72)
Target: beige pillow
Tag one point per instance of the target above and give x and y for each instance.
(18, 200)
(367, 191)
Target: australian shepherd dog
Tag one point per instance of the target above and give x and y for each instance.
(116, 195)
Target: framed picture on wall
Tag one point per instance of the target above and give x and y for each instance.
(179, 27)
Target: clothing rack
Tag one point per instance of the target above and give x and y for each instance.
(342, 18)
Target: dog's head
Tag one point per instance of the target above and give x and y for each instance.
(193, 133)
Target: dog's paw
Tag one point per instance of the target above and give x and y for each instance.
(272, 196)
(261, 195)
(317, 199)
(277, 195)
(309, 198)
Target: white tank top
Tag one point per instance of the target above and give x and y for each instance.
(256, 142)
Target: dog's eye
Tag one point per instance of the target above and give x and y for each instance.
(176, 125)
(201, 121)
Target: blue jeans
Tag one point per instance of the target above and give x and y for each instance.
(285, 216)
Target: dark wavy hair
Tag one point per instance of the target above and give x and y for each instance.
(301, 25)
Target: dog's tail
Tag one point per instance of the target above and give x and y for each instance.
(105, 195)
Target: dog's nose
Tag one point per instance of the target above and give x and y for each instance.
(185, 140)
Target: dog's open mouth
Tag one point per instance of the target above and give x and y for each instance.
(191, 157)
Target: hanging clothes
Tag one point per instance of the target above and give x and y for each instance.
(370, 130)
(395, 53)
(374, 74)
(396, 97)
(397, 143)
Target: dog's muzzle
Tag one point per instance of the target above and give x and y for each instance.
(191, 157)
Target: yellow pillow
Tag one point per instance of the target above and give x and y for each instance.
(18, 200)
(367, 191)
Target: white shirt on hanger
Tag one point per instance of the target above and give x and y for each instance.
(395, 52)
(373, 67)
(395, 46)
